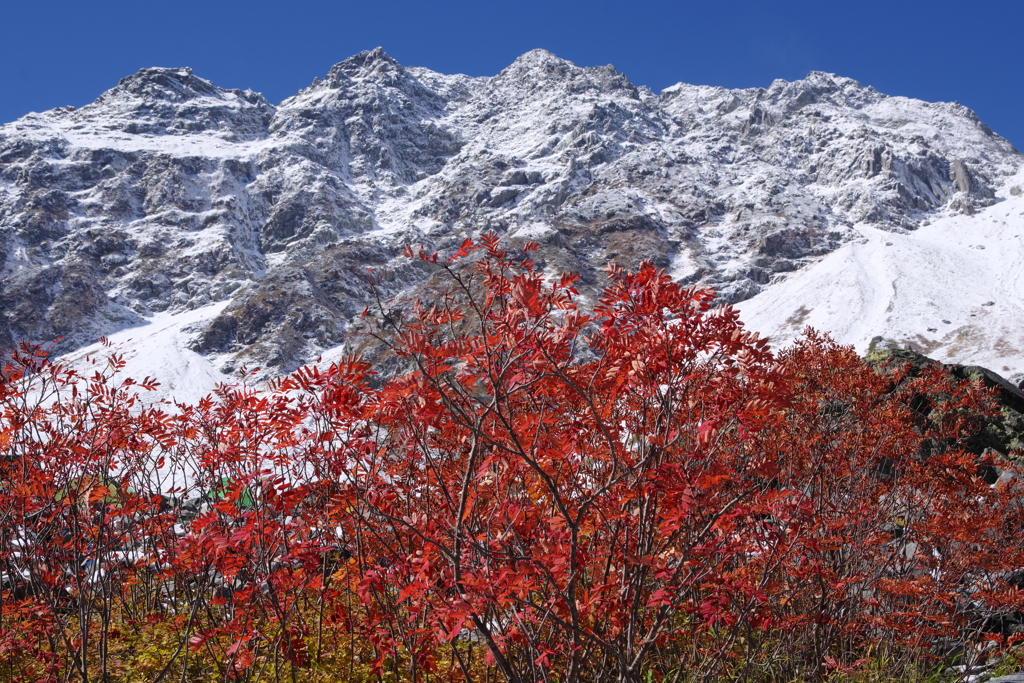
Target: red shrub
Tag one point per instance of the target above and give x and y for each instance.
(642, 490)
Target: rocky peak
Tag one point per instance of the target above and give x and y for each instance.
(791, 96)
(175, 85)
(368, 79)
(610, 79)
(176, 101)
(373, 64)
(539, 59)
(370, 119)
(540, 70)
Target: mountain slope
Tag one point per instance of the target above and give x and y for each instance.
(171, 196)
(952, 289)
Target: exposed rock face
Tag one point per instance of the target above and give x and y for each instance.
(1003, 434)
(169, 193)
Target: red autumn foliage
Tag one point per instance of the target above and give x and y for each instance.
(643, 491)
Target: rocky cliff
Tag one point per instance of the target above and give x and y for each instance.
(169, 195)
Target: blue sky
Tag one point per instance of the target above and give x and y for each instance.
(59, 52)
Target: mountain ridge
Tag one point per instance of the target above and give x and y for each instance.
(168, 194)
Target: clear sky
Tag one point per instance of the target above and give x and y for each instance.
(59, 52)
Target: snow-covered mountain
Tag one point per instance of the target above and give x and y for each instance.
(215, 228)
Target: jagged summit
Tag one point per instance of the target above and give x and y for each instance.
(540, 67)
(827, 77)
(158, 101)
(176, 86)
(540, 59)
(819, 86)
(367, 59)
(543, 69)
(375, 63)
(171, 199)
(163, 84)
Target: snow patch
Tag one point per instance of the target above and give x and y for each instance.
(953, 290)
(159, 349)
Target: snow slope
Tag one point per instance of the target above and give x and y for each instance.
(953, 289)
(159, 348)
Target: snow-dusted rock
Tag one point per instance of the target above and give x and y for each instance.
(169, 195)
